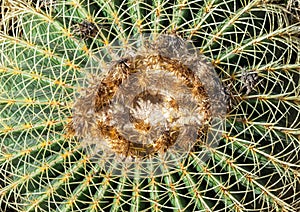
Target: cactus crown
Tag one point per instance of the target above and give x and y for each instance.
(61, 60)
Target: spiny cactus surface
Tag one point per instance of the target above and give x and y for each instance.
(53, 52)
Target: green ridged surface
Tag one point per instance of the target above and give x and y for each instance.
(256, 165)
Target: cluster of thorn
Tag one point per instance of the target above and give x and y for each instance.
(46, 4)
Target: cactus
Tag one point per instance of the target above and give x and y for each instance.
(50, 54)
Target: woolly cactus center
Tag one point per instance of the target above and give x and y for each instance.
(155, 102)
(150, 106)
(151, 109)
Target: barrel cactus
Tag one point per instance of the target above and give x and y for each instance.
(210, 90)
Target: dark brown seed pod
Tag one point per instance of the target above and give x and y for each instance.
(249, 81)
(85, 29)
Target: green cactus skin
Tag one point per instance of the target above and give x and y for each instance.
(254, 50)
